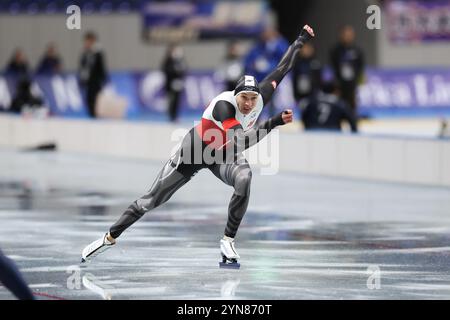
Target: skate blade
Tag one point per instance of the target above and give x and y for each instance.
(234, 265)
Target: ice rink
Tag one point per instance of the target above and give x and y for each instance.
(303, 237)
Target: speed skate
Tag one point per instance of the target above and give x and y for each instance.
(229, 255)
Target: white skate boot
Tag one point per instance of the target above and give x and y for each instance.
(229, 254)
(96, 247)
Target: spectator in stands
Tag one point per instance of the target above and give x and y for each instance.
(18, 65)
(326, 111)
(264, 57)
(93, 74)
(51, 61)
(444, 130)
(24, 99)
(306, 75)
(233, 68)
(347, 61)
(174, 67)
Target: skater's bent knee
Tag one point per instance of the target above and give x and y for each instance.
(144, 205)
(242, 182)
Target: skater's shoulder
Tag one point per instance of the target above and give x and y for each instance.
(223, 110)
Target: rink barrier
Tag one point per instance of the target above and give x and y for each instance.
(388, 159)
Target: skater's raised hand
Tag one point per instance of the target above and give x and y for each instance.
(306, 34)
(270, 82)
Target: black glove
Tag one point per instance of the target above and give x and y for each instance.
(278, 120)
(306, 34)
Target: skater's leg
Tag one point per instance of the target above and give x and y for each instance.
(238, 175)
(168, 181)
(175, 173)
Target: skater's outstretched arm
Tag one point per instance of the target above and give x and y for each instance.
(235, 134)
(271, 82)
(243, 140)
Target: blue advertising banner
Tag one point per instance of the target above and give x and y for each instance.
(180, 20)
(418, 20)
(199, 89)
(405, 92)
(60, 93)
(63, 95)
(385, 93)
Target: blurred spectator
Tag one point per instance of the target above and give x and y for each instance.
(265, 56)
(174, 68)
(232, 68)
(306, 75)
(444, 131)
(93, 73)
(18, 65)
(326, 111)
(348, 65)
(24, 100)
(51, 62)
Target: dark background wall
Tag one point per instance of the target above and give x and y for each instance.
(326, 17)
